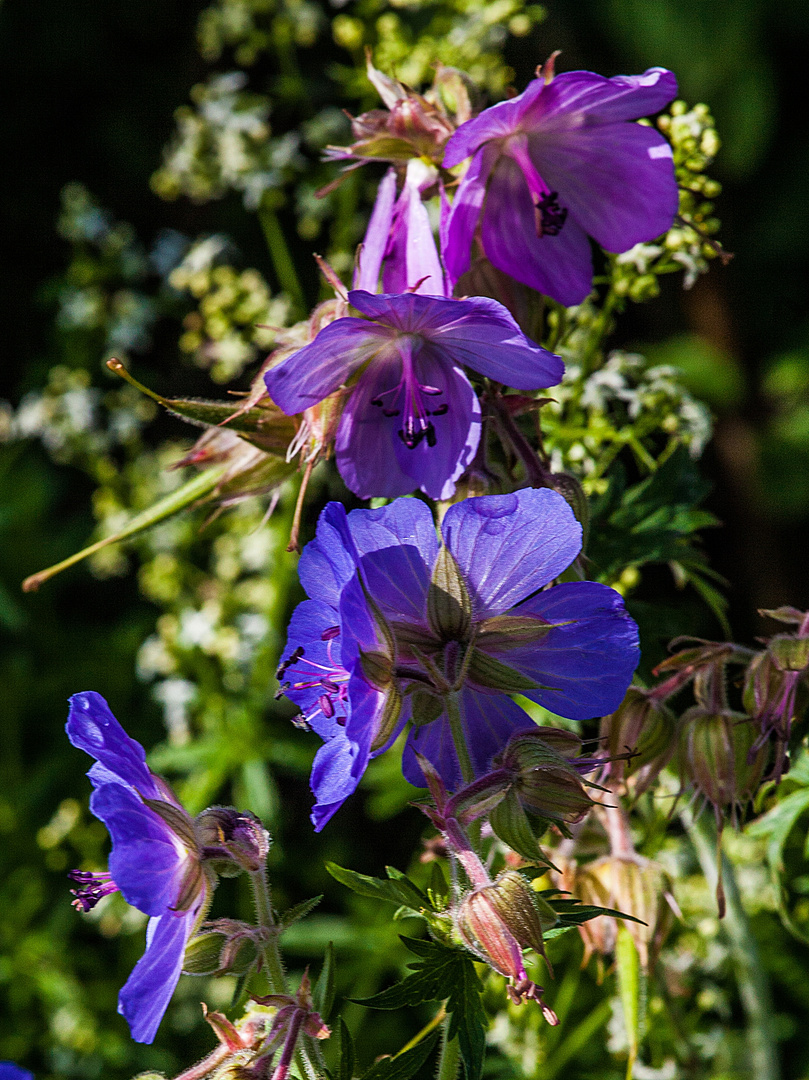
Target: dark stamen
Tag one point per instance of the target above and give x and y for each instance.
(550, 215)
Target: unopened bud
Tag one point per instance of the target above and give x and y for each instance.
(721, 759)
(643, 728)
(544, 780)
(225, 946)
(232, 840)
(497, 921)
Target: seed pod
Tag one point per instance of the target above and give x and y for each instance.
(721, 760)
(644, 728)
(498, 921)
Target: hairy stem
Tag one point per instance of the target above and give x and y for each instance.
(449, 1059)
(459, 737)
(273, 966)
(754, 987)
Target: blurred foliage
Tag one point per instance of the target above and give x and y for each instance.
(180, 630)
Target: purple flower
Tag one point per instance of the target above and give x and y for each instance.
(154, 861)
(10, 1071)
(412, 419)
(400, 625)
(557, 163)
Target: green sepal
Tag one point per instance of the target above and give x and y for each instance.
(449, 606)
(323, 991)
(512, 630)
(510, 824)
(486, 671)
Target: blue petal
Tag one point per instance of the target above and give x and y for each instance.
(147, 861)
(406, 521)
(489, 721)
(508, 546)
(92, 728)
(396, 578)
(10, 1071)
(590, 663)
(145, 995)
(328, 561)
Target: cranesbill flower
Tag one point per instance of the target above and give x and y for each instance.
(412, 419)
(154, 863)
(555, 164)
(10, 1071)
(403, 625)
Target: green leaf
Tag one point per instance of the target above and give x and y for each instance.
(299, 911)
(345, 1053)
(323, 992)
(403, 1066)
(398, 890)
(776, 825)
(443, 974)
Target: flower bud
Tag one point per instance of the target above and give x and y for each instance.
(721, 759)
(232, 840)
(224, 947)
(644, 728)
(497, 921)
(546, 781)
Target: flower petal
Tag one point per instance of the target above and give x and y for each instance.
(590, 663)
(559, 266)
(145, 996)
(372, 456)
(489, 721)
(328, 561)
(92, 728)
(582, 98)
(617, 180)
(508, 546)
(458, 227)
(318, 369)
(147, 861)
(377, 235)
(497, 122)
(411, 260)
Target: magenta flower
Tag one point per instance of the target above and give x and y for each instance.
(558, 163)
(412, 419)
(154, 863)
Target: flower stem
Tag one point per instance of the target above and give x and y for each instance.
(266, 920)
(459, 737)
(449, 1059)
(754, 988)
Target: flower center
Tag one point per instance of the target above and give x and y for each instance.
(407, 399)
(331, 678)
(548, 214)
(92, 888)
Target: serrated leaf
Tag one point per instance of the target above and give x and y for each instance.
(402, 1066)
(396, 890)
(294, 914)
(776, 825)
(345, 1051)
(443, 974)
(323, 992)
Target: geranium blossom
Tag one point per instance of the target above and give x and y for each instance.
(555, 164)
(155, 861)
(399, 622)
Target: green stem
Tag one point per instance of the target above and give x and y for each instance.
(450, 1058)
(282, 259)
(754, 987)
(459, 737)
(273, 966)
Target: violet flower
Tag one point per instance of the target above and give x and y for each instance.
(412, 419)
(401, 625)
(555, 164)
(10, 1071)
(154, 863)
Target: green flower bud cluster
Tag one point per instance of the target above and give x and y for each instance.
(236, 317)
(252, 27)
(222, 143)
(624, 403)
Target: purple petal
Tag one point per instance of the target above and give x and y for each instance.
(318, 369)
(497, 122)
(148, 860)
(319, 669)
(145, 995)
(396, 578)
(489, 721)
(581, 98)
(488, 340)
(411, 260)
(617, 181)
(589, 663)
(333, 778)
(458, 227)
(377, 235)
(10, 1071)
(372, 456)
(407, 521)
(559, 266)
(508, 546)
(92, 728)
